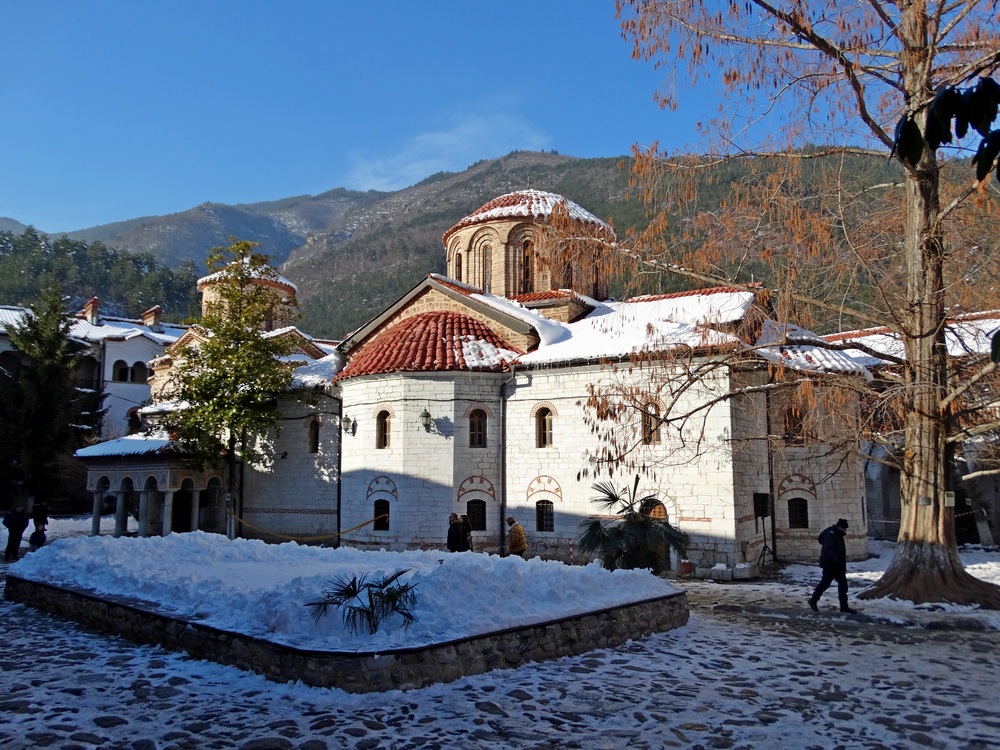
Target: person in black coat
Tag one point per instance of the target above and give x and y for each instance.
(456, 534)
(16, 522)
(833, 561)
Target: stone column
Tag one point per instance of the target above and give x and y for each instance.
(168, 512)
(195, 509)
(144, 512)
(121, 513)
(95, 515)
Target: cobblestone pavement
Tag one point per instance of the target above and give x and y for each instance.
(745, 673)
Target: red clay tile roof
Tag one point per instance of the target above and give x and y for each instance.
(529, 204)
(433, 341)
(690, 293)
(525, 299)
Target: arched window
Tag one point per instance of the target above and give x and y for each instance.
(313, 437)
(476, 511)
(794, 427)
(382, 429)
(139, 372)
(651, 424)
(526, 269)
(458, 266)
(121, 371)
(487, 268)
(545, 516)
(381, 515)
(477, 429)
(543, 428)
(653, 509)
(798, 513)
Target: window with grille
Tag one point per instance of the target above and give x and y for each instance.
(798, 513)
(476, 511)
(381, 515)
(545, 517)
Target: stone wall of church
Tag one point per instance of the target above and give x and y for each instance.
(421, 472)
(294, 493)
(697, 494)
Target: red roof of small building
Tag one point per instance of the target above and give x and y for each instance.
(430, 342)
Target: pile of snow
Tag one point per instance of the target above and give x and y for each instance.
(262, 590)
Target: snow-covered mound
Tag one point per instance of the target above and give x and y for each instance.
(261, 589)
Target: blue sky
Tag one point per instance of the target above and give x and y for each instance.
(116, 110)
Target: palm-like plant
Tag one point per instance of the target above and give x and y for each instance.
(636, 538)
(365, 603)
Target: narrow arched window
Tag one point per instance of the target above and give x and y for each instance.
(545, 516)
(526, 269)
(458, 266)
(798, 513)
(121, 371)
(380, 512)
(650, 424)
(476, 511)
(477, 429)
(543, 428)
(382, 429)
(794, 425)
(139, 373)
(487, 268)
(313, 438)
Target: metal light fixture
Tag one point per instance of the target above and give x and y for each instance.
(347, 424)
(425, 420)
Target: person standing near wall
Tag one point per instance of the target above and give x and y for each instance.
(517, 543)
(16, 522)
(455, 533)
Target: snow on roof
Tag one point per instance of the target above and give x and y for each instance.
(108, 327)
(964, 335)
(529, 204)
(319, 372)
(772, 344)
(139, 444)
(274, 278)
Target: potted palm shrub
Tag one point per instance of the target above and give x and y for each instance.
(636, 534)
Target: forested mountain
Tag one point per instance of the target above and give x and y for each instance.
(350, 253)
(126, 283)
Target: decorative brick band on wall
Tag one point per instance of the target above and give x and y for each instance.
(398, 669)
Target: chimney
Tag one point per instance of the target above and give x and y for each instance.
(151, 318)
(91, 311)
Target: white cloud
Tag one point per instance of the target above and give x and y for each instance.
(452, 149)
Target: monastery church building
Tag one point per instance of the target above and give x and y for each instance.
(469, 395)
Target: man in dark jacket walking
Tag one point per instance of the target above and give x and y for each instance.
(833, 561)
(16, 522)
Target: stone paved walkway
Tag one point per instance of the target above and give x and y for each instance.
(748, 672)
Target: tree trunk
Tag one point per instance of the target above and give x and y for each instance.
(926, 566)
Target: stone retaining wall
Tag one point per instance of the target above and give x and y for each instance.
(399, 669)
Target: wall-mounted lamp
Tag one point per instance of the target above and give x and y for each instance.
(425, 420)
(347, 424)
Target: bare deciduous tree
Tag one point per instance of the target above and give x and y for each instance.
(850, 241)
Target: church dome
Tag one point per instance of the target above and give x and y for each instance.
(431, 342)
(528, 204)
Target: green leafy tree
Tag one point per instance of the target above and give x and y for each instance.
(46, 411)
(226, 383)
(638, 537)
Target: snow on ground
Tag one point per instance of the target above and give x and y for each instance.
(262, 590)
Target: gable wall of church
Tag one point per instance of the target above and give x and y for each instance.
(421, 471)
